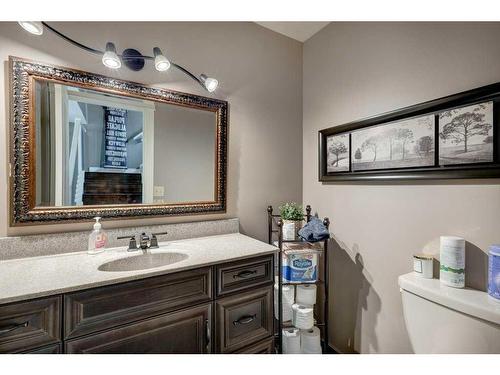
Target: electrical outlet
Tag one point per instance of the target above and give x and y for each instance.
(349, 342)
(159, 191)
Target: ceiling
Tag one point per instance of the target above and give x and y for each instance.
(300, 31)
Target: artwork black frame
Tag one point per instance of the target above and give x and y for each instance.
(433, 107)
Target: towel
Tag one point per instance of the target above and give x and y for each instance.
(314, 231)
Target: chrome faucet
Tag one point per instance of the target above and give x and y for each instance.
(145, 242)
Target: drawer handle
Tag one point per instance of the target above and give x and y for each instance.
(207, 333)
(245, 319)
(244, 274)
(4, 330)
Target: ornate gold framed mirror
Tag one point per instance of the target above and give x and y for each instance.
(85, 145)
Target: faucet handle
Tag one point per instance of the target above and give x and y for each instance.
(132, 245)
(154, 241)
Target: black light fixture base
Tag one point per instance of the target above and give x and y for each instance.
(133, 59)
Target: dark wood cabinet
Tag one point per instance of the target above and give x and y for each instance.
(225, 308)
(106, 307)
(51, 349)
(263, 347)
(244, 319)
(183, 332)
(31, 324)
(249, 273)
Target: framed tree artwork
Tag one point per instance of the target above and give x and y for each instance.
(466, 135)
(338, 153)
(402, 144)
(454, 137)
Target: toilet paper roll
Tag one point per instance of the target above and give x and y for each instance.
(291, 341)
(288, 299)
(310, 341)
(303, 316)
(287, 312)
(306, 294)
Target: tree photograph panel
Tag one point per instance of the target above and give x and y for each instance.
(466, 135)
(337, 153)
(402, 144)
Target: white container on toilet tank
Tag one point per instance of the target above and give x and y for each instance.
(452, 259)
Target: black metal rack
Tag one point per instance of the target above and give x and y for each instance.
(274, 221)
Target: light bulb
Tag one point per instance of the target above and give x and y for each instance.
(33, 27)
(161, 62)
(110, 58)
(210, 83)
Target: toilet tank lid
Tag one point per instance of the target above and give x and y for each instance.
(468, 301)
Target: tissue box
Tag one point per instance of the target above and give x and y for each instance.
(300, 266)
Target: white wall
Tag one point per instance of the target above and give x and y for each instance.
(356, 70)
(260, 76)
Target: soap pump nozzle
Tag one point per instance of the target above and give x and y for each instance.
(97, 225)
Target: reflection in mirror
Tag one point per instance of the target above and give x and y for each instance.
(93, 148)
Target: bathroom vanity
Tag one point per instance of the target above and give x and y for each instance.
(217, 298)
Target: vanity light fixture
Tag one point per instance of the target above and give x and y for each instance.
(209, 83)
(33, 27)
(110, 58)
(130, 57)
(161, 62)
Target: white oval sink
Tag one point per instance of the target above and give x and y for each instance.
(142, 262)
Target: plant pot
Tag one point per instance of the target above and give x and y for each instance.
(290, 229)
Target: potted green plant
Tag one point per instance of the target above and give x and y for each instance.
(292, 215)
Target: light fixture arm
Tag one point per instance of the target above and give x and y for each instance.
(72, 41)
(98, 52)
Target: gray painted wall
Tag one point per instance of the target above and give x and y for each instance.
(355, 70)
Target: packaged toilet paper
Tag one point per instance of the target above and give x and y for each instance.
(300, 265)
(494, 272)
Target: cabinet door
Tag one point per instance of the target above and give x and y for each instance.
(183, 332)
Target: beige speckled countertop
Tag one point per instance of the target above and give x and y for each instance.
(27, 278)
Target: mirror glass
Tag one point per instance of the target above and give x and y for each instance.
(94, 148)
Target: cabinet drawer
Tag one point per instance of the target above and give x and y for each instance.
(181, 332)
(103, 308)
(236, 276)
(244, 319)
(30, 324)
(263, 347)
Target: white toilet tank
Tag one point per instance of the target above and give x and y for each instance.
(441, 319)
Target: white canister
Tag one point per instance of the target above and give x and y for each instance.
(423, 265)
(290, 229)
(452, 259)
